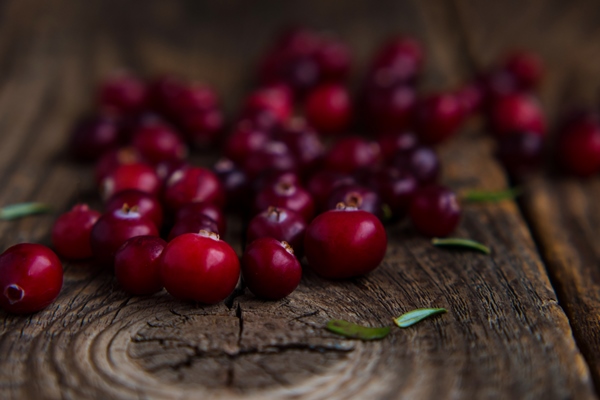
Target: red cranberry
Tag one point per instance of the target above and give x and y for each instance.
(401, 58)
(114, 159)
(520, 154)
(579, 148)
(31, 277)
(279, 223)
(333, 58)
(389, 107)
(471, 98)
(516, 113)
(235, 183)
(273, 177)
(163, 93)
(195, 224)
(301, 72)
(394, 143)
(137, 265)
(194, 97)
(137, 176)
(145, 204)
(277, 98)
(329, 108)
(71, 232)
(422, 162)
(434, 211)
(203, 127)
(322, 183)
(396, 188)
(165, 169)
(288, 196)
(194, 184)
(497, 83)
(357, 196)
(270, 268)
(273, 155)
(158, 142)
(245, 140)
(345, 243)
(351, 153)
(262, 119)
(123, 93)
(303, 142)
(93, 137)
(199, 267)
(438, 117)
(526, 67)
(192, 210)
(114, 228)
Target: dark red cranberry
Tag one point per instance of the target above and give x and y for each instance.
(497, 83)
(393, 143)
(345, 243)
(113, 159)
(351, 153)
(273, 155)
(471, 97)
(137, 176)
(401, 59)
(199, 267)
(526, 67)
(284, 195)
(279, 223)
(276, 97)
(199, 222)
(438, 117)
(575, 116)
(31, 277)
(520, 154)
(203, 128)
(123, 93)
(579, 148)
(194, 184)
(245, 140)
(193, 98)
(137, 265)
(94, 136)
(192, 210)
(274, 177)
(163, 93)
(71, 232)
(270, 269)
(389, 107)
(158, 142)
(114, 228)
(516, 113)
(396, 189)
(322, 183)
(333, 58)
(301, 72)
(422, 162)
(303, 142)
(434, 211)
(329, 108)
(262, 119)
(235, 183)
(357, 196)
(165, 169)
(143, 203)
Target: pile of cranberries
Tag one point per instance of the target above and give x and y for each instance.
(293, 166)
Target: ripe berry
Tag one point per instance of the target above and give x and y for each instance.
(396, 189)
(516, 113)
(394, 143)
(273, 155)
(278, 223)
(245, 140)
(114, 228)
(31, 277)
(434, 211)
(438, 117)
(389, 107)
(304, 143)
(520, 154)
(71, 232)
(114, 159)
(193, 184)
(123, 93)
(199, 267)
(234, 182)
(157, 142)
(94, 136)
(401, 59)
(203, 128)
(272, 178)
(270, 269)
(162, 92)
(422, 162)
(471, 97)
(333, 58)
(579, 148)
(328, 108)
(192, 98)
(137, 265)
(351, 153)
(277, 98)
(344, 243)
(323, 182)
(165, 169)
(145, 204)
(526, 67)
(357, 196)
(138, 176)
(194, 224)
(284, 195)
(191, 210)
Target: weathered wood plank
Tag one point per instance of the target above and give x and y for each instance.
(504, 336)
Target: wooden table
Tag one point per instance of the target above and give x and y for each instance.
(522, 322)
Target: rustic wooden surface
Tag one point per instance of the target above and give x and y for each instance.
(509, 330)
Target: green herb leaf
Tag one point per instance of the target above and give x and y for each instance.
(458, 242)
(355, 331)
(414, 316)
(387, 212)
(481, 196)
(20, 210)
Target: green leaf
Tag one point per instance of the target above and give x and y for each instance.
(387, 212)
(355, 331)
(463, 243)
(482, 196)
(414, 316)
(21, 210)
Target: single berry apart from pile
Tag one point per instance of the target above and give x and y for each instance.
(434, 211)
(31, 277)
(199, 267)
(270, 268)
(71, 232)
(137, 265)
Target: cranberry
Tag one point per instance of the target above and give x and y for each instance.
(394, 143)
(31, 277)
(273, 155)
(270, 269)
(401, 58)
(123, 93)
(165, 169)
(497, 83)
(438, 117)
(93, 137)
(301, 72)
(193, 184)
(434, 211)
(322, 183)
(271, 178)
(471, 97)
(329, 109)
(235, 183)
(277, 98)
(526, 67)
(396, 188)
(245, 140)
(262, 119)
(114, 159)
(145, 204)
(203, 127)
(516, 113)
(344, 243)
(199, 267)
(520, 154)
(157, 142)
(194, 224)
(389, 107)
(71, 232)
(422, 162)
(333, 58)
(137, 265)
(288, 196)
(357, 196)
(137, 176)
(303, 142)
(579, 148)
(351, 153)
(163, 92)
(279, 223)
(114, 228)
(191, 210)
(194, 97)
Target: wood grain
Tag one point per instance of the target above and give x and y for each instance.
(505, 335)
